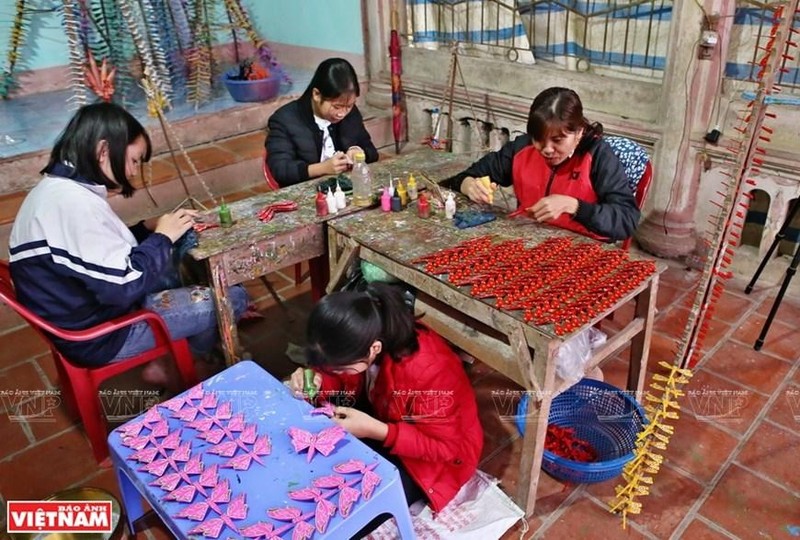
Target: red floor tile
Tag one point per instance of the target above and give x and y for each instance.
(679, 277)
(497, 398)
(715, 333)
(670, 489)
(586, 520)
(673, 322)
(721, 402)
(47, 467)
(730, 308)
(774, 453)
(789, 309)
(19, 383)
(786, 409)
(781, 339)
(27, 344)
(14, 438)
(699, 530)
(668, 295)
(698, 447)
(531, 527)
(47, 416)
(751, 368)
(750, 507)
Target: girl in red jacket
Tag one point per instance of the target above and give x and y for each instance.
(420, 409)
(562, 170)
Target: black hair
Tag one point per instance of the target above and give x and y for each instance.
(344, 325)
(333, 77)
(77, 144)
(560, 108)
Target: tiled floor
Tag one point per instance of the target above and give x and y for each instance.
(730, 472)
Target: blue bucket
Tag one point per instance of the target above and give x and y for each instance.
(256, 90)
(602, 415)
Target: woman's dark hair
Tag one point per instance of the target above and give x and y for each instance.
(560, 109)
(77, 144)
(334, 77)
(343, 326)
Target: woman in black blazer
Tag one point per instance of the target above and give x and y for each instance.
(319, 133)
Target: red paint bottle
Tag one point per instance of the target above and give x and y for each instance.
(322, 204)
(423, 206)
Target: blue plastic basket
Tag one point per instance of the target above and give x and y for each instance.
(601, 414)
(255, 90)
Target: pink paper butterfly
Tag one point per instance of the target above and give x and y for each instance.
(225, 449)
(184, 494)
(221, 493)
(326, 409)
(168, 482)
(325, 509)
(236, 423)
(302, 529)
(208, 401)
(261, 530)
(186, 415)
(224, 410)
(237, 509)
(145, 455)
(347, 495)
(323, 442)
(195, 512)
(202, 425)
(370, 479)
(210, 528)
(156, 468)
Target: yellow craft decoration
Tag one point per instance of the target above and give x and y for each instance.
(639, 472)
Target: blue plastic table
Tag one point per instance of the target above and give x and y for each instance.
(177, 437)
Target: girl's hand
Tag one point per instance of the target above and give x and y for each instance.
(551, 207)
(336, 164)
(352, 151)
(297, 383)
(175, 224)
(360, 424)
(477, 190)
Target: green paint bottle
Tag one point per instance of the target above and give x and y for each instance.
(225, 218)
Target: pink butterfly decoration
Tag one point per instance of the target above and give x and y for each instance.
(347, 495)
(261, 530)
(225, 449)
(195, 512)
(323, 442)
(213, 435)
(168, 482)
(302, 529)
(236, 423)
(202, 425)
(209, 401)
(156, 468)
(369, 480)
(210, 528)
(221, 493)
(184, 494)
(224, 410)
(327, 409)
(208, 478)
(324, 510)
(145, 455)
(186, 415)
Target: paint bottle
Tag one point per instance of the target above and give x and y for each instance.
(309, 388)
(397, 202)
(321, 204)
(423, 207)
(386, 199)
(341, 200)
(450, 206)
(331, 200)
(411, 186)
(225, 217)
(401, 192)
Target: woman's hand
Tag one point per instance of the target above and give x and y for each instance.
(352, 151)
(551, 207)
(478, 190)
(175, 224)
(336, 164)
(360, 424)
(297, 383)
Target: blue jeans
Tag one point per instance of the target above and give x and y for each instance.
(188, 312)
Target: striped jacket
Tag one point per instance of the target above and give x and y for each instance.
(76, 264)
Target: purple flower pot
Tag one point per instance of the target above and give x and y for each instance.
(256, 90)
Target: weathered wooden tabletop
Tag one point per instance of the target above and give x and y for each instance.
(247, 228)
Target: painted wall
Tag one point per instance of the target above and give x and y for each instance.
(324, 24)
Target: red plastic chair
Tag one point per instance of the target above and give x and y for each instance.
(641, 195)
(273, 185)
(80, 384)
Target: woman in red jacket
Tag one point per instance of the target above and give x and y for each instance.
(562, 170)
(420, 408)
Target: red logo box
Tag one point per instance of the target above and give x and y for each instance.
(59, 516)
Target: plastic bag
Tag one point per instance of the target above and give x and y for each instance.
(479, 511)
(574, 354)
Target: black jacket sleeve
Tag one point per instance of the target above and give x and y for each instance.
(615, 215)
(495, 165)
(352, 132)
(282, 156)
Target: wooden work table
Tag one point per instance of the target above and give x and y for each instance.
(251, 249)
(502, 339)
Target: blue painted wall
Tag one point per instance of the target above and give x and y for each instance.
(324, 24)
